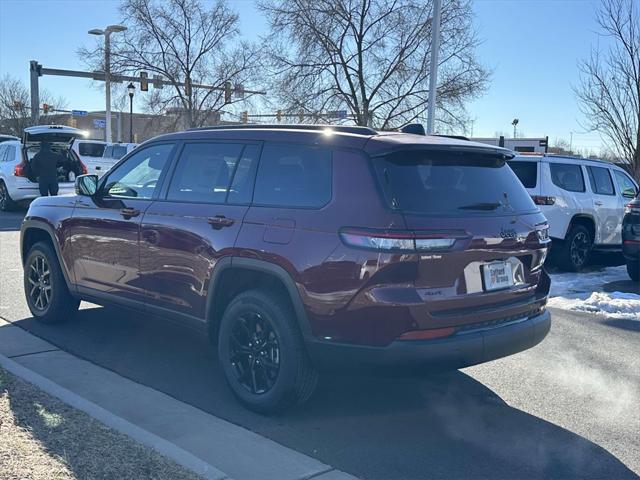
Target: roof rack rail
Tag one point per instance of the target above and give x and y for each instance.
(250, 126)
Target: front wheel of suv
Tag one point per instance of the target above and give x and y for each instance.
(47, 294)
(262, 353)
(6, 202)
(574, 253)
(633, 269)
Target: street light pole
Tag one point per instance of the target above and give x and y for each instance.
(433, 67)
(132, 89)
(107, 72)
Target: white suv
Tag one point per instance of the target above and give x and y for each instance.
(17, 182)
(582, 199)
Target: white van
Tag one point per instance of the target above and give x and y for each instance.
(583, 201)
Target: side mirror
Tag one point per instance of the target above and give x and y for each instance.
(629, 193)
(87, 185)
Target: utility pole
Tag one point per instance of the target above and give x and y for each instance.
(433, 68)
(107, 72)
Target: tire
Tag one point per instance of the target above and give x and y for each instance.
(276, 375)
(633, 269)
(574, 253)
(58, 305)
(6, 202)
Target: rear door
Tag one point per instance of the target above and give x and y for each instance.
(195, 222)
(475, 226)
(606, 207)
(104, 230)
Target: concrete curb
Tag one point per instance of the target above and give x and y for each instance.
(168, 449)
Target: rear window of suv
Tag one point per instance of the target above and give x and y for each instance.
(450, 183)
(91, 149)
(527, 172)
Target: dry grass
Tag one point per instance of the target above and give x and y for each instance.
(43, 438)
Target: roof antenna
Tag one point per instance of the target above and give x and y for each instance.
(414, 128)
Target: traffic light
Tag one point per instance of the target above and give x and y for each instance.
(279, 116)
(227, 92)
(144, 82)
(245, 117)
(45, 108)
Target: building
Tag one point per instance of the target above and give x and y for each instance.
(523, 145)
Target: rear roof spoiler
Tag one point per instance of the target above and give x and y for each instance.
(418, 129)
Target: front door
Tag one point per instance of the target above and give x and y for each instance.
(605, 204)
(194, 223)
(104, 230)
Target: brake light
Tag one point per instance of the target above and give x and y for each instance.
(400, 240)
(84, 168)
(632, 207)
(19, 170)
(543, 200)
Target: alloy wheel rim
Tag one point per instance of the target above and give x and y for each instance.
(579, 248)
(254, 352)
(39, 279)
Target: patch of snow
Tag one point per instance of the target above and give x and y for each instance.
(582, 292)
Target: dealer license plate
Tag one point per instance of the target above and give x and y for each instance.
(497, 275)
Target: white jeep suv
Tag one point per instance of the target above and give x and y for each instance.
(582, 199)
(17, 181)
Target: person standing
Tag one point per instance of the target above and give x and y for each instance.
(45, 166)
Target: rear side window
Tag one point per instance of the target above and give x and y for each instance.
(600, 180)
(527, 172)
(567, 176)
(91, 149)
(204, 172)
(293, 176)
(458, 183)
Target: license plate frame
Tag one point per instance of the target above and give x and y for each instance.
(496, 276)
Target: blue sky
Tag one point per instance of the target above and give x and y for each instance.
(532, 46)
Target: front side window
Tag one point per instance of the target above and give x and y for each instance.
(567, 176)
(626, 186)
(293, 176)
(204, 172)
(600, 180)
(138, 176)
(527, 172)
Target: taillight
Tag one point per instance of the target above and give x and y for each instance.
(542, 230)
(543, 200)
(84, 168)
(400, 240)
(19, 170)
(632, 207)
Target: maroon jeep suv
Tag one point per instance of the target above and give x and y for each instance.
(301, 247)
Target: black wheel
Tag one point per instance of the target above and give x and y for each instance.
(262, 353)
(633, 269)
(47, 294)
(6, 202)
(574, 253)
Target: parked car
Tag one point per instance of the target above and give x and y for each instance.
(112, 155)
(583, 200)
(631, 238)
(6, 138)
(300, 248)
(90, 152)
(17, 181)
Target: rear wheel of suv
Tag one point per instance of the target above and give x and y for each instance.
(6, 202)
(633, 269)
(47, 294)
(574, 253)
(262, 353)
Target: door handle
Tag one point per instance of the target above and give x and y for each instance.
(127, 213)
(220, 221)
(598, 203)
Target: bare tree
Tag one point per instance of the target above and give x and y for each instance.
(184, 41)
(15, 105)
(609, 89)
(371, 58)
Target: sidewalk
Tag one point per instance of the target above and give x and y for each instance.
(207, 445)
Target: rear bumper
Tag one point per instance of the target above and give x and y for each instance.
(458, 351)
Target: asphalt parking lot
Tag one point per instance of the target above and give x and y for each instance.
(565, 409)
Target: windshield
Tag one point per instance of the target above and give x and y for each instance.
(428, 182)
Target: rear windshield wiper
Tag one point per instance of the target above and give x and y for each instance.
(481, 206)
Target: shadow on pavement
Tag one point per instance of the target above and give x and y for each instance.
(626, 286)
(11, 221)
(446, 425)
